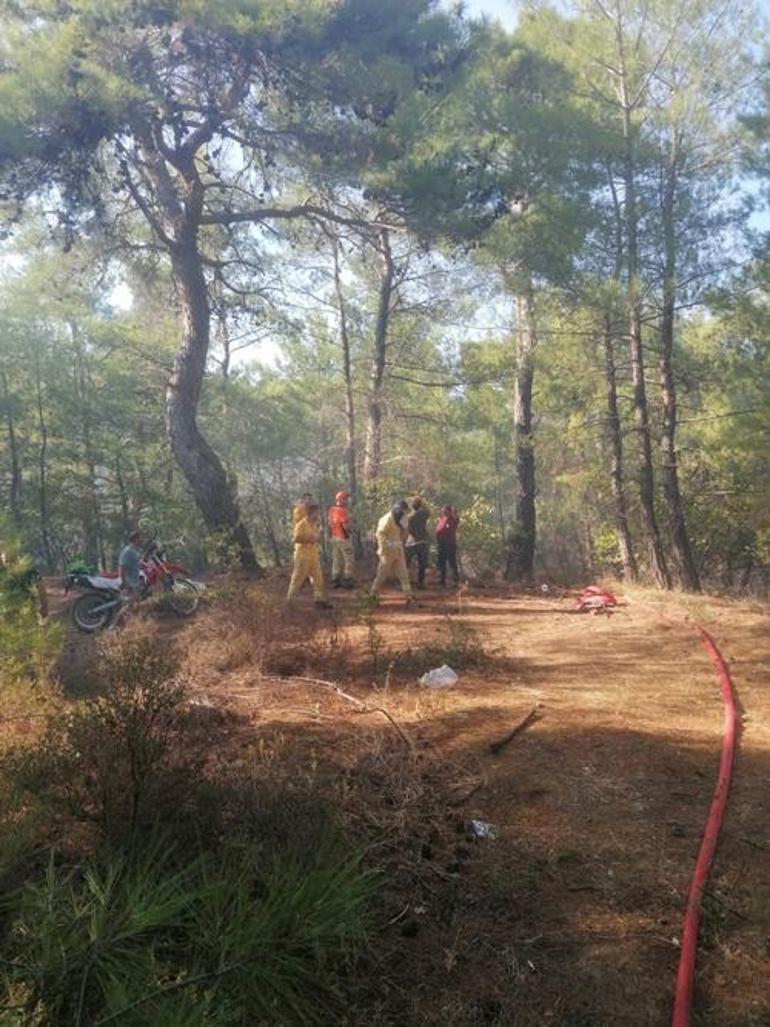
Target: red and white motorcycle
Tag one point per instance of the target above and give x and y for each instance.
(102, 598)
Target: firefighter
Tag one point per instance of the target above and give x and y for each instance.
(417, 539)
(307, 559)
(446, 542)
(391, 535)
(299, 510)
(340, 523)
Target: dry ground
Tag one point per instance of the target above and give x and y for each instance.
(570, 915)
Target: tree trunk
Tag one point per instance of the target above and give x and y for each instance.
(84, 390)
(746, 575)
(614, 432)
(650, 530)
(214, 492)
(522, 558)
(45, 526)
(499, 484)
(272, 538)
(373, 446)
(123, 495)
(350, 419)
(685, 568)
(625, 544)
(14, 494)
(181, 210)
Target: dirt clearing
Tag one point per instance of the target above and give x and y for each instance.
(571, 914)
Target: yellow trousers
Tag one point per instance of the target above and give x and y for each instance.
(393, 565)
(307, 564)
(342, 558)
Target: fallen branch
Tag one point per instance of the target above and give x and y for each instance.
(398, 916)
(523, 724)
(724, 905)
(463, 796)
(332, 687)
(753, 844)
(25, 716)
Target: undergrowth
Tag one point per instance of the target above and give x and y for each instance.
(237, 936)
(461, 648)
(141, 883)
(29, 645)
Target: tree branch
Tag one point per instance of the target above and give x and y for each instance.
(302, 210)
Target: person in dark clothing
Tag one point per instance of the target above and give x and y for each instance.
(417, 539)
(446, 541)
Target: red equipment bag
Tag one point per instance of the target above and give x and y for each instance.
(594, 599)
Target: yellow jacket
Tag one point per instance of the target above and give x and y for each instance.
(389, 535)
(298, 513)
(306, 533)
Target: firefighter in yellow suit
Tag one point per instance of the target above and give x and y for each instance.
(391, 532)
(299, 510)
(307, 559)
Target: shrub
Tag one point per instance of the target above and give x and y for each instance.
(607, 548)
(480, 543)
(28, 644)
(115, 761)
(462, 649)
(236, 937)
(209, 894)
(29, 647)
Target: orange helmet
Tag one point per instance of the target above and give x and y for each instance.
(341, 497)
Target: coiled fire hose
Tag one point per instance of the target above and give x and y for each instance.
(689, 940)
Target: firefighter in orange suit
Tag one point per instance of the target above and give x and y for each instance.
(340, 523)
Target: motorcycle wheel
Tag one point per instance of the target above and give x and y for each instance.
(87, 615)
(184, 597)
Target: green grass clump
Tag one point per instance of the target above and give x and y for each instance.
(461, 650)
(235, 937)
(140, 886)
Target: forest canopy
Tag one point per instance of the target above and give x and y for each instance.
(252, 249)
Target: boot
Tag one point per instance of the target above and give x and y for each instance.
(336, 583)
(347, 583)
(323, 604)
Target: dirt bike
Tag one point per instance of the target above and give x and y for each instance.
(102, 597)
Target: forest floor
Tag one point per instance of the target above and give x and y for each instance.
(571, 914)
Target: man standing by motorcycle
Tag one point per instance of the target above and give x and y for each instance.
(340, 524)
(128, 565)
(129, 573)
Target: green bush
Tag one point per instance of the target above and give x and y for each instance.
(203, 898)
(461, 650)
(607, 548)
(479, 540)
(116, 761)
(228, 938)
(29, 648)
(28, 644)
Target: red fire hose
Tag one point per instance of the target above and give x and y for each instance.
(689, 940)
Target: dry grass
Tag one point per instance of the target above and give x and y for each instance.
(568, 916)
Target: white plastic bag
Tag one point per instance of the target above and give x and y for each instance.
(481, 829)
(439, 677)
